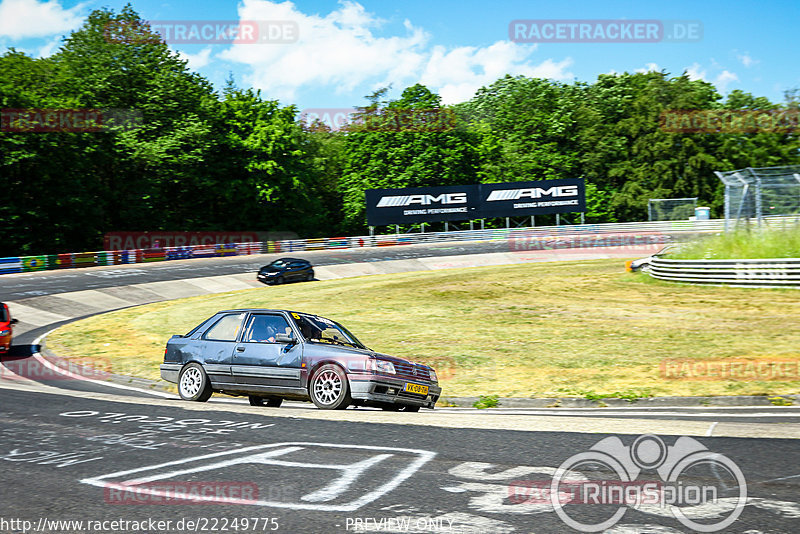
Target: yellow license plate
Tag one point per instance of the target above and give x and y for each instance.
(417, 388)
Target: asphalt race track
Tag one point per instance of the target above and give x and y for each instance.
(117, 459)
(52, 282)
(70, 458)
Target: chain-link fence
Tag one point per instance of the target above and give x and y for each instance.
(671, 209)
(756, 193)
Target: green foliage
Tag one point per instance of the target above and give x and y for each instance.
(780, 401)
(486, 401)
(390, 157)
(630, 395)
(744, 244)
(234, 160)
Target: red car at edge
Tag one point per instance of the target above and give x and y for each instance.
(6, 328)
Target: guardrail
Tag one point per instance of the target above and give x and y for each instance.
(529, 238)
(778, 272)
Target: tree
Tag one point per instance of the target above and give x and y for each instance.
(409, 142)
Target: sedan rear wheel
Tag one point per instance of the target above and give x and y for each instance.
(193, 383)
(329, 388)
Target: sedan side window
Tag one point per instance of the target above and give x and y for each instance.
(226, 329)
(264, 328)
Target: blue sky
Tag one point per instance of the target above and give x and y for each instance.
(347, 49)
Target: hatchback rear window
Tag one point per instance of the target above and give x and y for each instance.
(226, 329)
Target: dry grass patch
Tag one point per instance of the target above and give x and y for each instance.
(542, 329)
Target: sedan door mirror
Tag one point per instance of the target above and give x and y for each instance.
(13, 321)
(284, 338)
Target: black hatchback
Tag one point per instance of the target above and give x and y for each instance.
(286, 270)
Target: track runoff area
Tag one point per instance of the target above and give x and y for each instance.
(92, 457)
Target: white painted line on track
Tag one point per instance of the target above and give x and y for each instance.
(711, 428)
(602, 413)
(621, 408)
(38, 357)
(778, 479)
(319, 500)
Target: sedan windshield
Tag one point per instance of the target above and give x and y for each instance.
(321, 330)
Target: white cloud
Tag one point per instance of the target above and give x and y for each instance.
(49, 48)
(343, 50)
(20, 19)
(724, 79)
(721, 81)
(338, 50)
(650, 67)
(695, 72)
(198, 60)
(746, 60)
(459, 72)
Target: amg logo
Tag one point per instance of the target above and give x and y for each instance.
(422, 200)
(533, 192)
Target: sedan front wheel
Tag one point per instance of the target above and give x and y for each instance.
(329, 388)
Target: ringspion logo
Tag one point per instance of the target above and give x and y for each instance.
(609, 474)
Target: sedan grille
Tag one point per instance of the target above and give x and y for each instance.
(419, 372)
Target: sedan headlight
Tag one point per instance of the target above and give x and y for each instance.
(382, 366)
(5, 332)
(434, 378)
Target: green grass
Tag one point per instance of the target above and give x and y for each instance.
(541, 329)
(744, 244)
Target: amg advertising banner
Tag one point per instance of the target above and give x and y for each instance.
(515, 199)
(460, 203)
(422, 204)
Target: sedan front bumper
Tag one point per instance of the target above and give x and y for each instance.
(384, 389)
